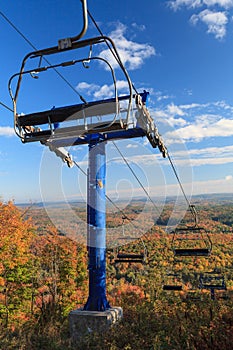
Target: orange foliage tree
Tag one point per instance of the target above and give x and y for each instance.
(16, 270)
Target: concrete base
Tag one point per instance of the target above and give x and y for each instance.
(82, 322)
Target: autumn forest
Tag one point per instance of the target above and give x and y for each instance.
(170, 301)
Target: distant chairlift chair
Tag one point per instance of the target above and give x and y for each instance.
(193, 295)
(212, 281)
(191, 241)
(173, 282)
(122, 255)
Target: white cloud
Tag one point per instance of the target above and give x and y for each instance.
(140, 27)
(210, 186)
(203, 128)
(203, 156)
(216, 22)
(176, 4)
(222, 3)
(193, 105)
(213, 186)
(184, 160)
(225, 151)
(215, 19)
(132, 54)
(175, 110)
(163, 97)
(190, 188)
(210, 161)
(104, 91)
(6, 131)
(88, 88)
(168, 115)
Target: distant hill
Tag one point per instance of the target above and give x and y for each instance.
(221, 198)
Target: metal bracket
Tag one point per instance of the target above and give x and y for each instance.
(146, 122)
(60, 152)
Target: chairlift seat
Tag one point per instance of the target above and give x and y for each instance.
(72, 132)
(223, 297)
(214, 286)
(193, 294)
(192, 251)
(135, 261)
(130, 256)
(212, 282)
(128, 238)
(189, 229)
(193, 298)
(73, 112)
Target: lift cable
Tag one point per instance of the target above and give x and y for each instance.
(136, 177)
(5, 106)
(113, 53)
(191, 207)
(34, 48)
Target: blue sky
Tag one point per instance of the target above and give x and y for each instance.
(181, 51)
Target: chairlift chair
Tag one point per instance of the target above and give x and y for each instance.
(123, 256)
(212, 281)
(40, 126)
(191, 241)
(173, 282)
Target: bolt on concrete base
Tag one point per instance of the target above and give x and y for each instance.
(82, 322)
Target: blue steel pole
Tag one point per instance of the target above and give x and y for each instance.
(96, 227)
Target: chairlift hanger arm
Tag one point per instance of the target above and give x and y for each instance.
(69, 41)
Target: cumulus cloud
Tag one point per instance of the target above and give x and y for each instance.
(177, 4)
(225, 151)
(140, 27)
(203, 128)
(169, 115)
(132, 54)
(221, 3)
(6, 131)
(163, 97)
(193, 105)
(216, 22)
(187, 158)
(105, 91)
(212, 14)
(175, 110)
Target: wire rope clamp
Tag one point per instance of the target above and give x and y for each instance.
(64, 44)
